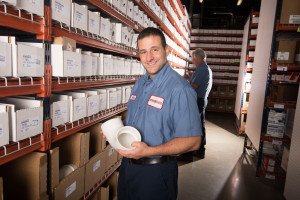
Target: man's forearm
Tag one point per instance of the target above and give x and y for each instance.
(176, 146)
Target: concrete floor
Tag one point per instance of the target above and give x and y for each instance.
(225, 173)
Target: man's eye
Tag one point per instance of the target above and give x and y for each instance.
(142, 52)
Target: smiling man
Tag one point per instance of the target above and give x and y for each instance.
(163, 107)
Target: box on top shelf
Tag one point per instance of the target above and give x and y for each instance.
(290, 12)
(94, 22)
(79, 16)
(105, 28)
(4, 125)
(5, 59)
(28, 59)
(86, 63)
(28, 174)
(61, 11)
(116, 3)
(25, 117)
(35, 7)
(123, 6)
(60, 109)
(65, 63)
(129, 10)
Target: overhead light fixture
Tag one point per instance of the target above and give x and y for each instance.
(200, 1)
(239, 2)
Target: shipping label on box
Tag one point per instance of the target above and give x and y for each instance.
(61, 11)
(79, 18)
(5, 59)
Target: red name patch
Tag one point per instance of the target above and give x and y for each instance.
(133, 97)
(156, 102)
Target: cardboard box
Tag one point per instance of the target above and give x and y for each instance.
(112, 182)
(4, 126)
(86, 63)
(134, 41)
(135, 68)
(25, 117)
(129, 10)
(123, 6)
(117, 32)
(61, 11)
(136, 13)
(65, 63)
(116, 4)
(60, 109)
(97, 142)
(111, 156)
(28, 174)
(297, 53)
(94, 22)
(28, 60)
(95, 59)
(93, 100)
(140, 19)
(112, 97)
(230, 105)
(67, 44)
(105, 27)
(103, 193)
(12, 3)
(284, 92)
(223, 90)
(285, 51)
(125, 35)
(127, 67)
(107, 64)
(94, 170)
(5, 59)
(35, 7)
(120, 65)
(78, 105)
(126, 90)
(79, 16)
(285, 158)
(214, 91)
(290, 12)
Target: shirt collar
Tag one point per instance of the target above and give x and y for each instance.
(159, 78)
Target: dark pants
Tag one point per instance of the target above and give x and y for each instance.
(148, 182)
(202, 103)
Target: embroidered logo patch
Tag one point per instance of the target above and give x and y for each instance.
(156, 102)
(133, 97)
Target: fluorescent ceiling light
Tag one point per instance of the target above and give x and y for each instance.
(239, 2)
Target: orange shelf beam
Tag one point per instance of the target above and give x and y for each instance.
(217, 34)
(218, 49)
(181, 7)
(286, 27)
(215, 41)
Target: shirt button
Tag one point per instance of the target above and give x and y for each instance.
(133, 122)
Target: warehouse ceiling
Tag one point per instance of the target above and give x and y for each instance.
(220, 13)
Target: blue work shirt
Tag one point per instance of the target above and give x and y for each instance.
(163, 108)
(203, 78)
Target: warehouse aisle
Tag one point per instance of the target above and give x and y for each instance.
(224, 173)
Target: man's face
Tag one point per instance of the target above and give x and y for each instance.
(152, 54)
(196, 61)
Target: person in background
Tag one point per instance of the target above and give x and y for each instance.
(163, 107)
(201, 81)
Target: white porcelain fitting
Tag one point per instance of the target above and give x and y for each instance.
(65, 170)
(118, 135)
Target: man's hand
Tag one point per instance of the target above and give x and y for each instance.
(138, 152)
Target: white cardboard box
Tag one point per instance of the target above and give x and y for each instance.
(35, 7)
(65, 63)
(134, 41)
(25, 118)
(112, 97)
(5, 59)
(116, 4)
(93, 100)
(124, 35)
(114, 70)
(102, 92)
(86, 63)
(61, 11)
(136, 13)
(94, 22)
(127, 67)
(116, 32)
(4, 125)
(135, 68)
(129, 11)
(10, 2)
(28, 60)
(107, 65)
(126, 90)
(123, 6)
(141, 17)
(120, 65)
(105, 27)
(100, 70)
(79, 17)
(60, 109)
(95, 58)
(78, 105)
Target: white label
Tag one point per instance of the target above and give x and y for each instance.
(93, 104)
(79, 109)
(281, 68)
(60, 8)
(35, 2)
(3, 59)
(282, 55)
(269, 176)
(29, 124)
(277, 142)
(31, 61)
(70, 189)
(111, 151)
(96, 165)
(294, 19)
(79, 17)
(280, 106)
(156, 102)
(72, 64)
(60, 113)
(1, 130)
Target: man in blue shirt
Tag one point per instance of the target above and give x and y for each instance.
(163, 108)
(201, 81)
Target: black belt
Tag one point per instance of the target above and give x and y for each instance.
(148, 160)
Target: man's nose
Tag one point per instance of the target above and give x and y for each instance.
(149, 56)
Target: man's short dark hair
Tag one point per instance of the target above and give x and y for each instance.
(151, 31)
